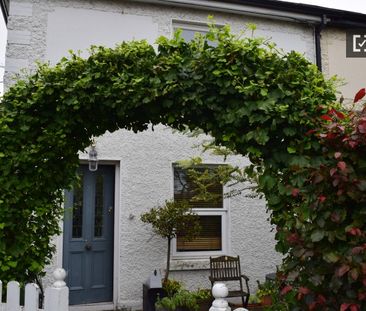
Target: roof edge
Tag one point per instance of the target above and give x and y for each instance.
(275, 9)
(4, 4)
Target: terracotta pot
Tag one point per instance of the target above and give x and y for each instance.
(266, 300)
(255, 307)
(205, 305)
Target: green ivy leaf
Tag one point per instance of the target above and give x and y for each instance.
(317, 235)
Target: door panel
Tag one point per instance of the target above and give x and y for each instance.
(88, 236)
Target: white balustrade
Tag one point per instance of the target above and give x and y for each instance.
(56, 296)
(220, 292)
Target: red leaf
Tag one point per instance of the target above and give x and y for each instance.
(362, 127)
(345, 306)
(359, 95)
(295, 192)
(336, 113)
(354, 307)
(342, 165)
(340, 115)
(322, 198)
(354, 231)
(337, 155)
(362, 296)
(354, 274)
(363, 267)
(332, 171)
(286, 289)
(356, 250)
(321, 299)
(342, 270)
(353, 143)
(304, 290)
(318, 178)
(326, 117)
(312, 306)
(309, 132)
(335, 182)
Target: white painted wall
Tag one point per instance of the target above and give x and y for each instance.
(78, 29)
(46, 30)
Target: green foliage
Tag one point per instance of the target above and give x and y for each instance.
(182, 299)
(267, 288)
(252, 99)
(171, 287)
(170, 220)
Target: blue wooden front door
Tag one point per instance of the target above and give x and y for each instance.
(88, 236)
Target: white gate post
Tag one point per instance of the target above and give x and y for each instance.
(220, 291)
(57, 296)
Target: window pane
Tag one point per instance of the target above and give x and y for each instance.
(77, 210)
(189, 34)
(185, 189)
(210, 238)
(98, 221)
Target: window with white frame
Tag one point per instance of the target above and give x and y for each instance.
(189, 29)
(212, 239)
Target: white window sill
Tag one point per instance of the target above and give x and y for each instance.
(189, 264)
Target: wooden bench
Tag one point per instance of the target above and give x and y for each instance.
(227, 269)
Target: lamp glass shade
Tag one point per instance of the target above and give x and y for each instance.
(93, 159)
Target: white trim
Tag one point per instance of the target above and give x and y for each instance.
(117, 209)
(60, 241)
(199, 26)
(238, 9)
(205, 254)
(225, 226)
(93, 307)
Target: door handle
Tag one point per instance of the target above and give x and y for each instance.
(87, 246)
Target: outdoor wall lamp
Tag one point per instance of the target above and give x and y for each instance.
(93, 159)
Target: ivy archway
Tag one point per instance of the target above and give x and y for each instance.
(247, 95)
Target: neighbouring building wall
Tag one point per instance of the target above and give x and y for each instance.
(46, 30)
(348, 70)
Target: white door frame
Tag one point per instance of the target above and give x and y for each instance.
(116, 262)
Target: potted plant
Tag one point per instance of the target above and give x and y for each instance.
(265, 292)
(182, 300)
(204, 299)
(171, 219)
(179, 299)
(254, 303)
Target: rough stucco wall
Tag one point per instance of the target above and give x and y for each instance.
(336, 63)
(146, 158)
(146, 181)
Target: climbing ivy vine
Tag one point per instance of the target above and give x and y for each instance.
(251, 98)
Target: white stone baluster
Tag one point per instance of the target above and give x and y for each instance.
(57, 296)
(220, 292)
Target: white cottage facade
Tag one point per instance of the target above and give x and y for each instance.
(136, 171)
